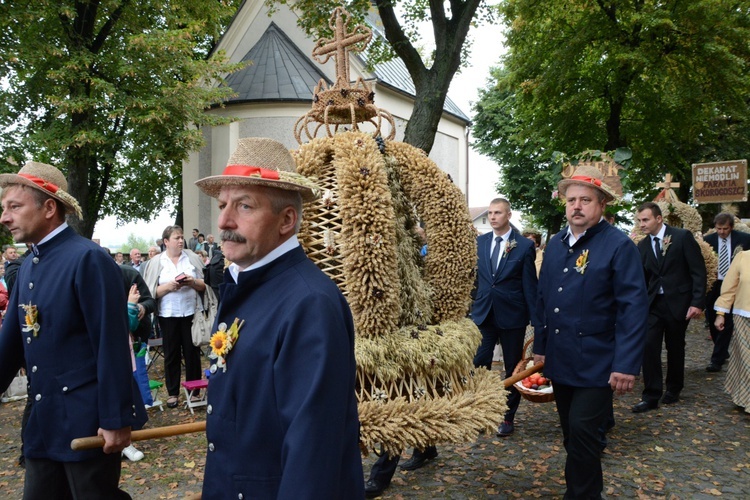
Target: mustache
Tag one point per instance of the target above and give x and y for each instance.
(227, 235)
(576, 212)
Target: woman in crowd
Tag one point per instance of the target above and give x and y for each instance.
(175, 277)
(736, 291)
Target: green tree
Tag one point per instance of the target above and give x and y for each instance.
(134, 241)
(111, 91)
(667, 79)
(432, 74)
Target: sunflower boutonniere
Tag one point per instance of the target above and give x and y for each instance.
(667, 241)
(31, 319)
(582, 262)
(509, 246)
(223, 341)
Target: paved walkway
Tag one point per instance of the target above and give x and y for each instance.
(696, 449)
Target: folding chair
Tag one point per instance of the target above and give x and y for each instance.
(191, 388)
(155, 346)
(154, 386)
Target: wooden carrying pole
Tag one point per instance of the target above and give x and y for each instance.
(88, 443)
(522, 375)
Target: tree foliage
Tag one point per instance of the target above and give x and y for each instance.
(133, 241)
(667, 79)
(431, 73)
(111, 91)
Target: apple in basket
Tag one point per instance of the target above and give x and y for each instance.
(536, 381)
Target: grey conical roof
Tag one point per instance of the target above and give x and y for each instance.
(279, 71)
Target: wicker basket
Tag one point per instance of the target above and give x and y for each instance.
(531, 395)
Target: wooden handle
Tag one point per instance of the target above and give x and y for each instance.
(88, 443)
(522, 375)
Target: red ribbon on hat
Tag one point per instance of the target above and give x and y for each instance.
(245, 171)
(590, 180)
(46, 185)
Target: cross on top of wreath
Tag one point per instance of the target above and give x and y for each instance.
(667, 194)
(345, 104)
(668, 184)
(341, 44)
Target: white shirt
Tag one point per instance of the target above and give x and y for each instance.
(59, 229)
(179, 303)
(503, 243)
(659, 235)
(274, 254)
(572, 237)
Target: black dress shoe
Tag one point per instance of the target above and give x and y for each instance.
(374, 489)
(419, 459)
(670, 398)
(713, 367)
(505, 429)
(645, 406)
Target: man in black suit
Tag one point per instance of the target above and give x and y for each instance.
(676, 279)
(506, 297)
(725, 242)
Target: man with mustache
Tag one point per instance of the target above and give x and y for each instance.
(593, 305)
(282, 413)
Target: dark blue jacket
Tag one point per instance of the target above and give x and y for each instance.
(282, 420)
(79, 364)
(595, 322)
(510, 294)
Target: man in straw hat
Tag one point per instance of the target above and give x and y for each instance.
(593, 303)
(282, 412)
(68, 316)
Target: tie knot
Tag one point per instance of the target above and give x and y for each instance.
(656, 239)
(498, 239)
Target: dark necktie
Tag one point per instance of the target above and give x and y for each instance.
(495, 253)
(657, 249)
(724, 258)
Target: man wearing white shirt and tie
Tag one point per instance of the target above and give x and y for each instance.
(676, 280)
(506, 297)
(725, 241)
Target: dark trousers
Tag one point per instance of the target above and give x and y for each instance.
(384, 468)
(178, 342)
(721, 338)
(93, 479)
(583, 413)
(663, 327)
(511, 342)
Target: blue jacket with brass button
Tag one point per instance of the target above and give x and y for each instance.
(282, 420)
(594, 321)
(79, 362)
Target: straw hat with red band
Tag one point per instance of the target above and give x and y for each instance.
(261, 162)
(587, 175)
(46, 179)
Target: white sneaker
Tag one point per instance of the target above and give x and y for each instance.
(132, 453)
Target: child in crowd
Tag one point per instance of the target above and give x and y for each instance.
(133, 296)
